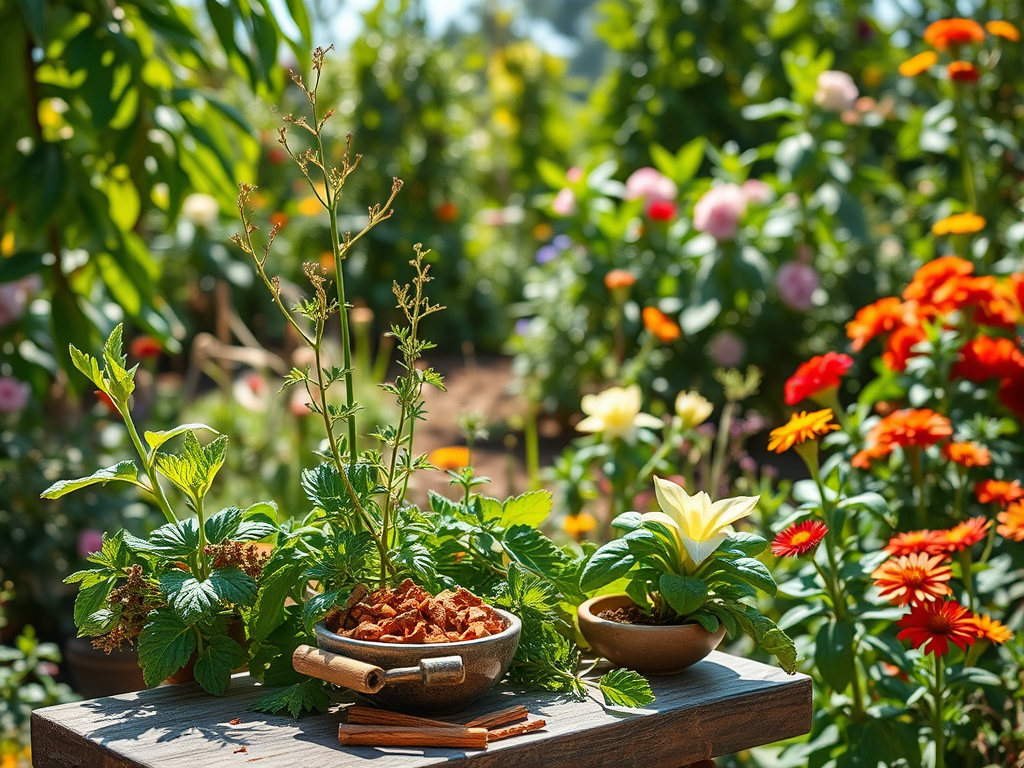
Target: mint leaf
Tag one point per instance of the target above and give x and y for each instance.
(88, 365)
(193, 470)
(125, 471)
(530, 509)
(214, 665)
(222, 525)
(233, 586)
(625, 688)
(156, 439)
(189, 597)
(175, 541)
(308, 696)
(165, 645)
(685, 594)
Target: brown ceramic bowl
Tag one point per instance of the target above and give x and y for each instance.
(485, 661)
(652, 650)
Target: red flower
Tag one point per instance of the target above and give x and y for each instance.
(663, 327)
(963, 72)
(1001, 492)
(912, 542)
(661, 210)
(884, 316)
(799, 539)
(1011, 393)
(820, 373)
(967, 454)
(899, 348)
(964, 535)
(914, 578)
(989, 358)
(933, 281)
(952, 32)
(935, 624)
(447, 212)
(145, 346)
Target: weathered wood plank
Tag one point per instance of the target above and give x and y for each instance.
(722, 705)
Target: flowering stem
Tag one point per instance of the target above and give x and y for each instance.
(917, 471)
(965, 160)
(967, 577)
(938, 732)
(989, 544)
(721, 443)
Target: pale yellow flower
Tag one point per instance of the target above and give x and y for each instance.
(616, 413)
(700, 524)
(692, 409)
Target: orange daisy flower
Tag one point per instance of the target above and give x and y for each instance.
(618, 278)
(799, 539)
(996, 302)
(1011, 522)
(952, 32)
(963, 72)
(936, 624)
(933, 275)
(912, 542)
(992, 630)
(661, 325)
(967, 454)
(883, 316)
(964, 535)
(913, 579)
(1002, 492)
(912, 427)
(450, 457)
(800, 428)
(1003, 29)
(959, 224)
(917, 64)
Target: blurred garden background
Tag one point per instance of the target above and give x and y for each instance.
(614, 192)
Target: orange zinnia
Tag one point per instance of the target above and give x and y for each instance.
(967, 454)
(912, 427)
(986, 358)
(914, 578)
(799, 539)
(884, 316)
(1002, 492)
(912, 542)
(959, 224)
(936, 623)
(618, 278)
(661, 325)
(952, 32)
(800, 428)
(899, 347)
(1011, 522)
(933, 275)
(992, 630)
(450, 457)
(963, 72)
(964, 535)
(1003, 29)
(917, 64)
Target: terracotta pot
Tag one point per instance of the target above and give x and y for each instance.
(652, 650)
(95, 673)
(187, 674)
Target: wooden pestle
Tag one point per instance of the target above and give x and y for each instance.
(340, 670)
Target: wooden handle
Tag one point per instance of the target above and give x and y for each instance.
(404, 736)
(340, 670)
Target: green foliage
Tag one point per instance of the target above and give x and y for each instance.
(307, 697)
(165, 645)
(125, 471)
(625, 688)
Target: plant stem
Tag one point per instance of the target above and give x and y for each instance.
(966, 168)
(346, 341)
(202, 538)
(938, 731)
(967, 576)
(149, 464)
(721, 443)
(917, 470)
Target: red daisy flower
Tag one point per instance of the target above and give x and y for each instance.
(964, 535)
(936, 624)
(799, 539)
(912, 542)
(1002, 492)
(816, 375)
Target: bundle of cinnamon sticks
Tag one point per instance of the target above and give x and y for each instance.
(372, 727)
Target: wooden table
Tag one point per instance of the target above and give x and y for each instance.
(722, 705)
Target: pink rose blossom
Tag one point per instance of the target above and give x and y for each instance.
(727, 349)
(564, 203)
(796, 283)
(14, 394)
(719, 212)
(90, 540)
(757, 192)
(574, 174)
(650, 185)
(836, 92)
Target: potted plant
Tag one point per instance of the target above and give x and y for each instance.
(686, 575)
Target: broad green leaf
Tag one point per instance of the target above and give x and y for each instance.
(193, 470)
(530, 509)
(606, 565)
(258, 522)
(318, 606)
(684, 593)
(279, 577)
(214, 665)
(223, 525)
(190, 598)
(833, 654)
(156, 439)
(233, 586)
(764, 632)
(627, 521)
(749, 544)
(306, 697)
(90, 599)
(625, 688)
(125, 471)
(533, 550)
(99, 623)
(165, 645)
(707, 620)
(688, 160)
(752, 571)
(486, 508)
(175, 540)
(88, 365)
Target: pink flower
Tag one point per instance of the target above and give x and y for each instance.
(719, 212)
(652, 186)
(757, 192)
(727, 349)
(564, 203)
(14, 394)
(90, 540)
(796, 283)
(13, 299)
(298, 402)
(836, 92)
(574, 174)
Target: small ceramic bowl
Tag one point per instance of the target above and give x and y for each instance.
(652, 650)
(485, 661)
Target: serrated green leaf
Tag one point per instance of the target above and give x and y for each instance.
(118, 381)
(125, 471)
(307, 697)
(90, 599)
(625, 688)
(233, 586)
(530, 509)
(175, 541)
(88, 365)
(190, 598)
(193, 470)
(165, 645)
(684, 593)
(317, 607)
(533, 550)
(222, 525)
(279, 577)
(99, 623)
(156, 439)
(215, 663)
(606, 565)
(113, 554)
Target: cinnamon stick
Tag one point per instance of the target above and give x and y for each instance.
(501, 717)
(405, 736)
(515, 730)
(360, 715)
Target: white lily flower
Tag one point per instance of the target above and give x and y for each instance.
(701, 524)
(692, 409)
(616, 413)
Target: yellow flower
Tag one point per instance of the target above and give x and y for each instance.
(616, 413)
(917, 64)
(578, 525)
(959, 224)
(801, 427)
(1003, 29)
(699, 524)
(692, 409)
(309, 206)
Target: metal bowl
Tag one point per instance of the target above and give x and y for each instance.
(485, 661)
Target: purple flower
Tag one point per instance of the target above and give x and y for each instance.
(14, 394)
(727, 349)
(796, 283)
(562, 242)
(90, 540)
(748, 465)
(547, 253)
(522, 327)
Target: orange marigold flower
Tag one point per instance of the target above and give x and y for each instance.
(884, 316)
(917, 64)
(819, 373)
(1011, 522)
(964, 535)
(967, 454)
(1003, 29)
(996, 302)
(447, 212)
(1001, 492)
(911, 427)
(935, 624)
(661, 325)
(963, 72)
(618, 278)
(986, 358)
(450, 457)
(899, 347)
(933, 275)
(800, 428)
(992, 630)
(959, 224)
(278, 219)
(915, 578)
(145, 346)
(799, 538)
(579, 525)
(863, 458)
(952, 32)
(912, 542)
